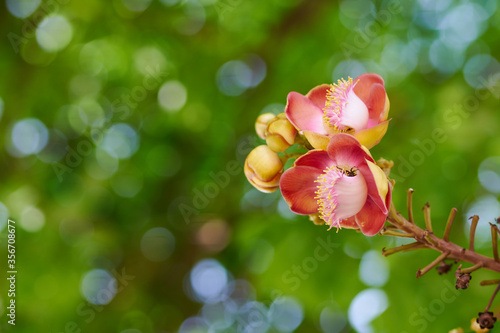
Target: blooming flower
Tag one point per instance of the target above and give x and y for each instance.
(359, 107)
(343, 184)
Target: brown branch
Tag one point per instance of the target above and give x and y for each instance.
(431, 241)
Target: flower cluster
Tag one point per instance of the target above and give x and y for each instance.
(335, 180)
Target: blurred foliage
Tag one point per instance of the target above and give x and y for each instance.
(116, 115)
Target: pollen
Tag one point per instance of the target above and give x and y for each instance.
(326, 195)
(336, 101)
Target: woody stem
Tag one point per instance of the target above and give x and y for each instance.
(431, 241)
(492, 298)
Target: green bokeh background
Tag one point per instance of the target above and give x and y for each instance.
(95, 219)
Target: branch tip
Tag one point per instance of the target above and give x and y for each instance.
(427, 216)
(433, 264)
(472, 234)
(409, 204)
(449, 223)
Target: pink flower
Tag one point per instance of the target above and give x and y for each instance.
(342, 184)
(359, 107)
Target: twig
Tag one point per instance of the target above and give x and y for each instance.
(427, 216)
(492, 298)
(409, 204)
(449, 223)
(471, 269)
(403, 248)
(489, 282)
(457, 252)
(427, 268)
(391, 232)
(494, 240)
(472, 233)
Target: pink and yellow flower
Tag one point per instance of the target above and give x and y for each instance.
(343, 184)
(359, 107)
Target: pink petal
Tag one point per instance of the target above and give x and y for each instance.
(318, 159)
(370, 219)
(298, 188)
(317, 95)
(349, 223)
(363, 87)
(376, 102)
(304, 114)
(344, 149)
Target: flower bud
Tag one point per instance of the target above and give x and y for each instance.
(280, 133)
(261, 124)
(263, 169)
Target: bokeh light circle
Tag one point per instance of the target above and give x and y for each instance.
(286, 314)
(172, 96)
(22, 8)
(157, 244)
(54, 33)
(208, 280)
(120, 141)
(98, 287)
(32, 219)
(29, 136)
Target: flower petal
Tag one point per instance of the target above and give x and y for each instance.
(371, 136)
(350, 195)
(364, 83)
(318, 141)
(376, 102)
(349, 223)
(355, 114)
(304, 114)
(385, 114)
(370, 219)
(344, 149)
(298, 188)
(317, 95)
(318, 159)
(378, 185)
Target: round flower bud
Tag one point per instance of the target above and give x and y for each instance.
(280, 133)
(263, 169)
(261, 124)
